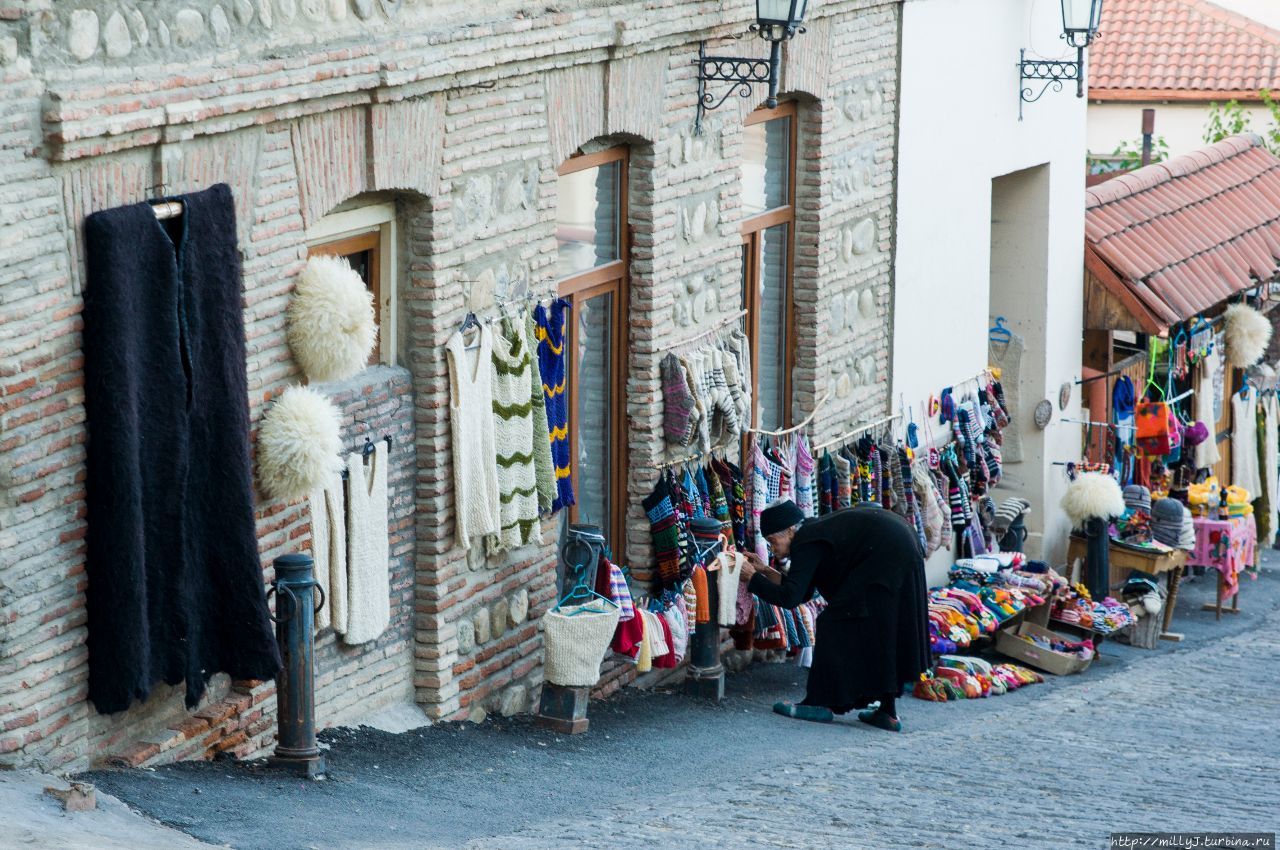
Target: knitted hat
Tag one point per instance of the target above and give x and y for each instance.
(1138, 498)
(1166, 521)
(779, 516)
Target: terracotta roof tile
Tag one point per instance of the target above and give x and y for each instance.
(1186, 234)
(1181, 49)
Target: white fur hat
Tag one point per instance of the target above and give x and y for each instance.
(1247, 333)
(1093, 495)
(298, 444)
(331, 327)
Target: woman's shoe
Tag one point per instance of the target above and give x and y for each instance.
(815, 713)
(877, 718)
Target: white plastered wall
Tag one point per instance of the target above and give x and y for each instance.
(1180, 124)
(959, 130)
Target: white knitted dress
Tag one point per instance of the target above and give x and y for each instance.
(727, 577)
(475, 465)
(368, 548)
(513, 438)
(329, 549)
(1244, 443)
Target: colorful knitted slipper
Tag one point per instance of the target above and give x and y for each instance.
(816, 713)
(876, 717)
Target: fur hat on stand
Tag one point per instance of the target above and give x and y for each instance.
(1092, 495)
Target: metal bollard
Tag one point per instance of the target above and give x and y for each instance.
(296, 687)
(705, 677)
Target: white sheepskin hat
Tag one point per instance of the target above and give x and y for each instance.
(1092, 495)
(298, 444)
(331, 327)
(1247, 333)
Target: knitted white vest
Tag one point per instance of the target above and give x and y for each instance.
(513, 439)
(329, 549)
(368, 567)
(475, 474)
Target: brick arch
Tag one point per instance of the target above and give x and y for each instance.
(619, 98)
(348, 152)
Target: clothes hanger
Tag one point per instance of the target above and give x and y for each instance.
(580, 591)
(998, 332)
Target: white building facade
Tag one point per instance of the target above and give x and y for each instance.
(990, 224)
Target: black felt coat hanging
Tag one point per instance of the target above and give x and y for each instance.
(175, 589)
(873, 637)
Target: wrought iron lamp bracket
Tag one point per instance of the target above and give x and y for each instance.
(740, 72)
(1051, 72)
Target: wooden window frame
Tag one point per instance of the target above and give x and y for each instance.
(612, 277)
(367, 228)
(752, 241)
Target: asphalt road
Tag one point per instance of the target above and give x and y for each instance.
(1180, 737)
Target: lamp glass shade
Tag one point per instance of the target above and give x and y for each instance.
(1081, 16)
(785, 12)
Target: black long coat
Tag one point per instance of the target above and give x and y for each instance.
(873, 636)
(175, 589)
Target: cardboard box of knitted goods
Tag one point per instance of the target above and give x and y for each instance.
(1014, 643)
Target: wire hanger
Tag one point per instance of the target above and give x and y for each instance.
(998, 332)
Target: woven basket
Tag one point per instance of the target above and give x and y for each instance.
(575, 645)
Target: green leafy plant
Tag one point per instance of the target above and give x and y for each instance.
(1231, 118)
(1128, 155)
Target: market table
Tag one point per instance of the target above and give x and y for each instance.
(1228, 546)
(1122, 558)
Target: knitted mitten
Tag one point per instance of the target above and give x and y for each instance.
(678, 402)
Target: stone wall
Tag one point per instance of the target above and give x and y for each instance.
(304, 106)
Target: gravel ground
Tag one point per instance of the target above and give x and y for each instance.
(1144, 739)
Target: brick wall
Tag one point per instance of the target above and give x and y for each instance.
(463, 128)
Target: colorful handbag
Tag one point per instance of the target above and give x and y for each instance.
(1154, 422)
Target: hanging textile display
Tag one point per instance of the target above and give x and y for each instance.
(1271, 465)
(1006, 355)
(475, 463)
(552, 331)
(175, 589)
(706, 394)
(544, 466)
(368, 545)
(513, 435)
(329, 550)
(1244, 438)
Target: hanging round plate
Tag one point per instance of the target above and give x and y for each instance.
(1064, 395)
(1044, 412)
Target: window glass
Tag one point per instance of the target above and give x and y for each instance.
(766, 162)
(772, 345)
(587, 219)
(593, 407)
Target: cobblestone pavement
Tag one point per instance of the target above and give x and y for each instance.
(1179, 738)
(1188, 742)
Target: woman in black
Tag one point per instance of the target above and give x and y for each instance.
(873, 636)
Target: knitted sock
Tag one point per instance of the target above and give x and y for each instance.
(678, 402)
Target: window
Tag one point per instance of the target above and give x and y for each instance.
(768, 198)
(591, 264)
(365, 238)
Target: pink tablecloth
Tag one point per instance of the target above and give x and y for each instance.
(1226, 545)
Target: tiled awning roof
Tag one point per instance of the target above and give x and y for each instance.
(1181, 50)
(1176, 238)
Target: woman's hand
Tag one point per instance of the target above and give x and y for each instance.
(751, 566)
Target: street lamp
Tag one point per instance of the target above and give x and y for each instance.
(776, 21)
(1080, 19)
